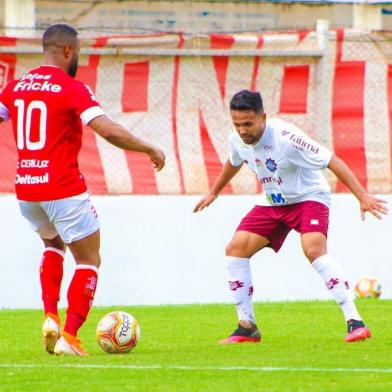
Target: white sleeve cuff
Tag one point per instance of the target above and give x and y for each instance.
(4, 113)
(91, 113)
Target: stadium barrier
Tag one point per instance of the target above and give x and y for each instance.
(155, 251)
(174, 90)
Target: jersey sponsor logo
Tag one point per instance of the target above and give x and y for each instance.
(271, 165)
(33, 163)
(268, 148)
(32, 85)
(276, 198)
(27, 179)
(270, 179)
(285, 133)
(299, 142)
(35, 76)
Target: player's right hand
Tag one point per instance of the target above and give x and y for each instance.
(157, 157)
(374, 205)
(204, 202)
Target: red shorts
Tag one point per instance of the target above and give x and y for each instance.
(275, 223)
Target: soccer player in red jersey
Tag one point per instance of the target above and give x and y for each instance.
(47, 107)
(288, 164)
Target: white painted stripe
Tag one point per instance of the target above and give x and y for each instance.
(196, 368)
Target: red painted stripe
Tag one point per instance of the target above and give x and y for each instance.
(8, 41)
(348, 114)
(89, 159)
(302, 34)
(390, 110)
(211, 159)
(142, 172)
(8, 158)
(294, 90)
(8, 152)
(256, 64)
(135, 99)
(221, 63)
(135, 88)
(174, 114)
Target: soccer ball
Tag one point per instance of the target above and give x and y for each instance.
(118, 332)
(367, 288)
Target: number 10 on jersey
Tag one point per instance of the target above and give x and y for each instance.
(24, 119)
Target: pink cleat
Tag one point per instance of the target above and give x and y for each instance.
(245, 333)
(357, 331)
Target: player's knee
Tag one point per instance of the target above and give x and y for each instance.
(55, 242)
(231, 249)
(236, 249)
(313, 252)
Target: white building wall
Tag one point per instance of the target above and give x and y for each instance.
(156, 251)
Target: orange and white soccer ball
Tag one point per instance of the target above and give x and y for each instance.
(367, 288)
(118, 332)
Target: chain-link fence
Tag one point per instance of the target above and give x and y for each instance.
(174, 90)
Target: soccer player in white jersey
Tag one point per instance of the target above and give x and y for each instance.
(288, 164)
(47, 107)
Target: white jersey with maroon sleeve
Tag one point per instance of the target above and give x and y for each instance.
(47, 108)
(287, 163)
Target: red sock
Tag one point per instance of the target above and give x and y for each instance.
(51, 275)
(80, 297)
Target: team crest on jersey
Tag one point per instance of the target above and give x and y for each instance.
(271, 165)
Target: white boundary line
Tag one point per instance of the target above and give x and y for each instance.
(195, 368)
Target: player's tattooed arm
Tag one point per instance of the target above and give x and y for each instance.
(227, 173)
(117, 135)
(367, 202)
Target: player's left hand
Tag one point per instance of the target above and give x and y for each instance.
(372, 204)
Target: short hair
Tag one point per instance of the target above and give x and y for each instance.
(59, 35)
(247, 100)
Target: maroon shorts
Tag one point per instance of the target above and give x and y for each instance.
(275, 223)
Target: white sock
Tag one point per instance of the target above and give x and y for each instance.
(240, 285)
(337, 284)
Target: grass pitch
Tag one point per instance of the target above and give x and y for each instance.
(302, 350)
